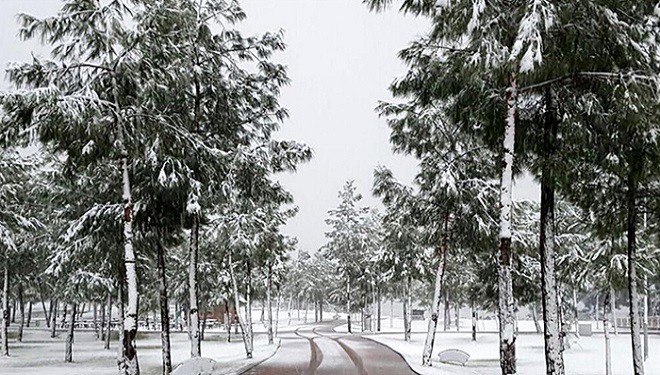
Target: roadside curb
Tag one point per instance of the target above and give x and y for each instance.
(250, 366)
(395, 351)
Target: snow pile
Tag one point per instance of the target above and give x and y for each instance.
(195, 366)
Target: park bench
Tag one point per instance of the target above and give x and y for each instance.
(455, 356)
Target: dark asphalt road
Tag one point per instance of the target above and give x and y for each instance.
(318, 350)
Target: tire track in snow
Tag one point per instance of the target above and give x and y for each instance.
(317, 354)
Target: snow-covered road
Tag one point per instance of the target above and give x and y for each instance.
(318, 350)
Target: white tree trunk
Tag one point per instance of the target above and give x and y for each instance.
(53, 319)
(505, 303)
(348, 304)
(193, 318)
(435, 304)
(108, 324)
(288, 323)
(575, 310)
(237, 304)
(633, 295)
(646, 318)
(5, 306)
(21, 308)
(277, 312)
(269, 306)
(608, 350)
(613, 310)
(130, 362)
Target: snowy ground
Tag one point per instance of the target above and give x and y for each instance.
(40, 354)
(585, 357)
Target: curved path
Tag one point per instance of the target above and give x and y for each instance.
(318, 350)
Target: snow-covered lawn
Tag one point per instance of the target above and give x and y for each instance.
(585, 357)
(39, 354)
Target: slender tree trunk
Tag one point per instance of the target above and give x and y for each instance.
(248, 308)
(606, 328)
(193, 318)
(405, 314)
(535, 318)
(505, 287)
(21, 307)
(269, 304)
(102, 322)
(288, 323)
(306, 308)
(43, 306)
(64, 312)
(321, 309)
(435, 305)
(29, 314)
(633, 301)
(121, 331)
(447, 318)
(49, 312)
(130, 361)
(457, 308)
(5, 307)
(68, 355)
(277, 311)
(378, 309)
(575, 311)
(392, 312)
(348, 304)
(82, 311)
(203, 329)
(164, 309)
(597, 311)
(108, 331)
(474, 323)
(613, 311)
(228, 321)
(96, 323)
(13, 311)
(246, 338)
(53, 319)
(408, 309)
(646, 318)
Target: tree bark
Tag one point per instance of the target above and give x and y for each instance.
(193, 319)
(53, 319)
(575, 312)
(102, 322)
(407, 309)
(108, 331)
(457, 308)
(447, 317)
(613, 311)
(474, 323)
(68, 353)
(288, 323)
(277, 311)
(164, 309)
(405, 314)
(21, 307)
(269, 304)
(348, 304)
(5, 307)
(435, 305)
(633, 300)
(29, 314)
(378, 309)
(535, 318)
(606, 329)
(96, 323)
(646, 319)
(554, 358)
(130, 361)
(246, 337)
(505, 287)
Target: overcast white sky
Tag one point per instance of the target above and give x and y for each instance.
(341, 59)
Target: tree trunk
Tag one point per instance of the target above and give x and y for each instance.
(378, 309)
(435, 305)
(606, 328)
(405, 314)
(64, 312)
(96, 323)
(130, 361)
(68, 354)
(29, 314)
(646, 318)
(277, 312)
(348, 304)
(447, 318)
(43, 306)
(407, 309)
(203, 329)
(121, 331)
(248, 308)
(102, 322)
(537, 326)
(633, 300)
(474, 323)
(269, 305)
(505, 287)
(306, 308)
(246, 338)
(193, 318)
(164, 309)
(21, 307)
(554, 359)
(321, 309)
(108, 331)
(53, 319)
(228, 321)
(5, 307)
(288, 323)
(613, 311)
(575, 311)
(82, 311)
(458, 316)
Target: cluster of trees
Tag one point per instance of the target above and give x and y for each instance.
(139, 160)
(565, 90)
